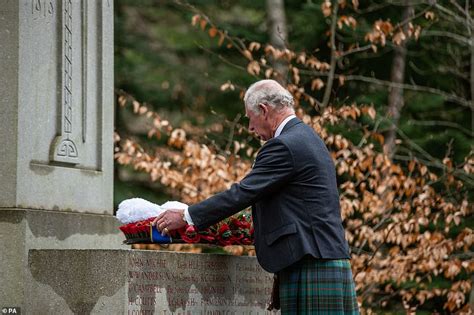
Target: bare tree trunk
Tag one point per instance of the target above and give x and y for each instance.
(470, 29)
(472, 90)
(395, 97)
(332, 69)
(277, 31)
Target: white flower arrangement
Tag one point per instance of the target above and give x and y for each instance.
(138, 209)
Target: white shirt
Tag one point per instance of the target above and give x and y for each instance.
(282, 125)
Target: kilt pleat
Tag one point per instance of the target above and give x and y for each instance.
(314, 286)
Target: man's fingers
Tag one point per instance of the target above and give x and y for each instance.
(162, 226)
(159, 219)
(157, 222)
(168, 221)
(162, 214)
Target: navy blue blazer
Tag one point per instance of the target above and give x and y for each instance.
(295, 203)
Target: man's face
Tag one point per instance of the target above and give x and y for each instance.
(260, 123)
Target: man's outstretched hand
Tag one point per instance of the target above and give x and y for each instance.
(170, 220)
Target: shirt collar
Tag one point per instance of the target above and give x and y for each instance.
(282, 125)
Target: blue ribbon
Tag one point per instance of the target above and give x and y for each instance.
(156, 236)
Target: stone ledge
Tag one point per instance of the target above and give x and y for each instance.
(145, 282)
(61, 224)
(22, 230)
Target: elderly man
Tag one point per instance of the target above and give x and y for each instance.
(295, 206)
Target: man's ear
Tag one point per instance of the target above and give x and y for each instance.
(263, 109)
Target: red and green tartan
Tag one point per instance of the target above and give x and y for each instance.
(314, 286)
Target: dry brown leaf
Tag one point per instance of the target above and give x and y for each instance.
(195, 19)
(122, 100)
(142, 110)
(429, 15)
(326, 8)
(221, 38)
(399, 38)
(202, 24)
(227, 86)
(301, 58)
(317, 84)
(253, 67)
(254, 46)
(355, 4)
(247, 54)
(346, 20)
(136, 106)
(268, 73)
(213, 32)
(296, 75)
(342, 80)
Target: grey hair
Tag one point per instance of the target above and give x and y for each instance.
(268, 92)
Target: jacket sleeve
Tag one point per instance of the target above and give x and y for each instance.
(273, 167)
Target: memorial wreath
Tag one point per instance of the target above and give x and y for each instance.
(138, 216)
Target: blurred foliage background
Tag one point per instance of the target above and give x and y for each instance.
(161, 59)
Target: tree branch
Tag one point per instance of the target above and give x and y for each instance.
(462, 10)
(451, 13)
(330, 80)
(470, 30)
(459, 173)
(450, 97)
(442, 123)
(231, 132)
(440, 69)
(353, 51)
(373, 8)
(222, 58)
(412, 17)
(456, 37)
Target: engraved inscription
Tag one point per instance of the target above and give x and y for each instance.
(197, 285)
(41, 9)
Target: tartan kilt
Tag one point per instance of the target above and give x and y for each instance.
(315, 286)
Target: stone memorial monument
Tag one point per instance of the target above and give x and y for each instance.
(60, 249)
(56, 125)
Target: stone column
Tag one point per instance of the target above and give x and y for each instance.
(56, 125)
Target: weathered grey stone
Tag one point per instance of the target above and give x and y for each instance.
(73, 281)
(56, 87)
(8, 100)
(21, 230)
(56, 124)
(144, 282)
